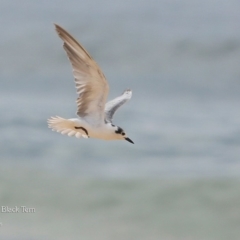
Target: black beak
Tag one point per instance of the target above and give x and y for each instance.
(129, 140)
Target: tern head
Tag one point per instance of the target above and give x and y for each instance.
(120, 134)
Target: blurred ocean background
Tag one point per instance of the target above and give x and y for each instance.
(180, 180)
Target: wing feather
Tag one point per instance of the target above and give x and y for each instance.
(91, 83)
(112, 106)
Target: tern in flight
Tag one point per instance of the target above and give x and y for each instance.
(94, 114)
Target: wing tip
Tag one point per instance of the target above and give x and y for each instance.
(128, 93)
(61, 32)
(57, 26)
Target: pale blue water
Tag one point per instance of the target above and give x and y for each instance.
(181, 59)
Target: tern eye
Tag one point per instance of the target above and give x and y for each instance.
(119, 130)
(123, 133)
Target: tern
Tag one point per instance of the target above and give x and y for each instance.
(94, 114)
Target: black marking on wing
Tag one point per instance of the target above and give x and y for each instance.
(84, 129)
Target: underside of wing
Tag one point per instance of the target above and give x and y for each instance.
(112, 106)
(91, 84)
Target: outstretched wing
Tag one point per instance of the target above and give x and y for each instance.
(91, 84)
(112, 106)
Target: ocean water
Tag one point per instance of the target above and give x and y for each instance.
(180, 179)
